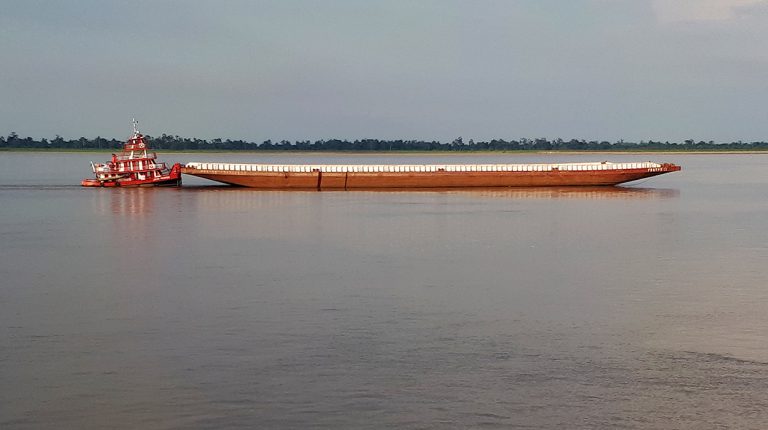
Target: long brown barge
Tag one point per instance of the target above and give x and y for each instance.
(403, 176)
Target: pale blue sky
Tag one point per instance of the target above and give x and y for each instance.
(255, 70)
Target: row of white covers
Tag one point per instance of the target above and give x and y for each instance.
(408, 168)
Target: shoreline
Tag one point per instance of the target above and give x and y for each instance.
(456, 153)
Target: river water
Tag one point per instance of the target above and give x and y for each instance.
(213, 307)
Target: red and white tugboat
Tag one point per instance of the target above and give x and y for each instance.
(135, 166)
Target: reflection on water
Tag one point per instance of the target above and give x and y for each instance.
(130, 202)
(581, 193)
(227, 198)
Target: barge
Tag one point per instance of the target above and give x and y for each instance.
(424, 176)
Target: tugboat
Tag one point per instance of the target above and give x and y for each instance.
(135, 166)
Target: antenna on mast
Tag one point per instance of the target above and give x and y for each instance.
(135, 126)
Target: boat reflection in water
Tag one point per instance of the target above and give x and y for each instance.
(236, 199)
(142, 201)
(586, 193)
(135, 203)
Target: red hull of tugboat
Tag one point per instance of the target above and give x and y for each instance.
(173, 179)
(349, 177)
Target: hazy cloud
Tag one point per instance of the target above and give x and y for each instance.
(671, 11)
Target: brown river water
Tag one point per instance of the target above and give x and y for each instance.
(638, 307)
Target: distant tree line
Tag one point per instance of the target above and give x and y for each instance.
(167, 142)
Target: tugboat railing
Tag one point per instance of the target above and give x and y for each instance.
(123, 168)
(148, 156)
(145, 167)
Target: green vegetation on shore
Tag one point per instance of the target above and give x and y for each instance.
(176, 143)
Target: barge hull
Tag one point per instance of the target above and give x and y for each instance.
(346, 177)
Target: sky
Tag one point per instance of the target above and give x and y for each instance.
(666, 70)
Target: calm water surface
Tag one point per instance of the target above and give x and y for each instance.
(212, 307)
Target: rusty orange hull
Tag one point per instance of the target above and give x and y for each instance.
(351, 177)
